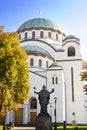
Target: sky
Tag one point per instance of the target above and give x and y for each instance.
(70, 15)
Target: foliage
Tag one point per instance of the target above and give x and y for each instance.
(14, 73)
(84, 75)
(71, 127)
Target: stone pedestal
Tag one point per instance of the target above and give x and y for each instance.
(43, 123)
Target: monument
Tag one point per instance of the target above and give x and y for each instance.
(43, 120)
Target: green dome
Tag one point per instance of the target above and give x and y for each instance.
(70, 37)
(54, 65)
(37, 23)
(36, 50)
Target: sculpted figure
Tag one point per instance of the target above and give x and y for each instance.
(44, 96)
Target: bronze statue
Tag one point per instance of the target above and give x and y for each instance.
(43, 120)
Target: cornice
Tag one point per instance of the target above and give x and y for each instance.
(68, 60)
(42, 42)
(71, 41)
(41, 28)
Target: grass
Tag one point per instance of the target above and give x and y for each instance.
(1, 127)
(72, 128)
(61, 128)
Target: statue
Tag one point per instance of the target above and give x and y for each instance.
(43, 120)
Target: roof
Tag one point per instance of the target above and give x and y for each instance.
(70, 37)
(39, 22)
(55, 65)
(36, 50)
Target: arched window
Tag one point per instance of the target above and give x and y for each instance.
(33, 34)
(49, 34)
(31, 62)
(33, 103)
(71, 51)
(40, 63)
(46, 64)
(41, 34)
(26, 35)
(19, 36)
(57, 37)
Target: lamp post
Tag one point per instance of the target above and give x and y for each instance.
(55, 112)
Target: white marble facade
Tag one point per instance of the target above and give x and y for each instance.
(54, 61)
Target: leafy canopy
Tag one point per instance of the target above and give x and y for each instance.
(14, 73)
(84, 72)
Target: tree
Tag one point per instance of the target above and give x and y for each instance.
(14, 73)
(84, 75)
(84, 72)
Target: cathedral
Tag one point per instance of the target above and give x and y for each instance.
(54, 60)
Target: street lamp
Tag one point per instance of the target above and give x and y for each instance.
(55, 112)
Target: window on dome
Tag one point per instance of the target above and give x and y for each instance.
(40, 63)
(71, 51)
(19, 36)
(26, 35)
(31, 62)
(41, 34)
(33, 34)
(33, 103)
(49, 34)
(57, 37)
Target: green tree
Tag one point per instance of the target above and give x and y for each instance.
(14, 73)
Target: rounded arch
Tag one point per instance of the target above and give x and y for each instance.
(41, 34)
(31, 62)
(33, 103)
(71, 51)
(40, 63)
(33, 35)
(57, 37)
(26, 35)
(49, 34)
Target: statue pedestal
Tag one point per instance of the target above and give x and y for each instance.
(43, 123)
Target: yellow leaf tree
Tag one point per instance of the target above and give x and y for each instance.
(84, 72)
(14, 73)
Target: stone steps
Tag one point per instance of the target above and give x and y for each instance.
(23, 128)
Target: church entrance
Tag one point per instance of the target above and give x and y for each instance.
(33, 111)
(18, 117)
(33, 118)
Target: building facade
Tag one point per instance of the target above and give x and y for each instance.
(54, 61)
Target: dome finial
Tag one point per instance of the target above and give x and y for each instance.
(40, 13)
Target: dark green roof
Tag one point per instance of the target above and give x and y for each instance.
(37, 23)
(30, 49)
(54, 65)
(70, 37)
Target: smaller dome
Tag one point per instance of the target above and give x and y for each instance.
(70, 37)
(36, 50)
(55, 65)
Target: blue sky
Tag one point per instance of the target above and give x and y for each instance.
(70, 15)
